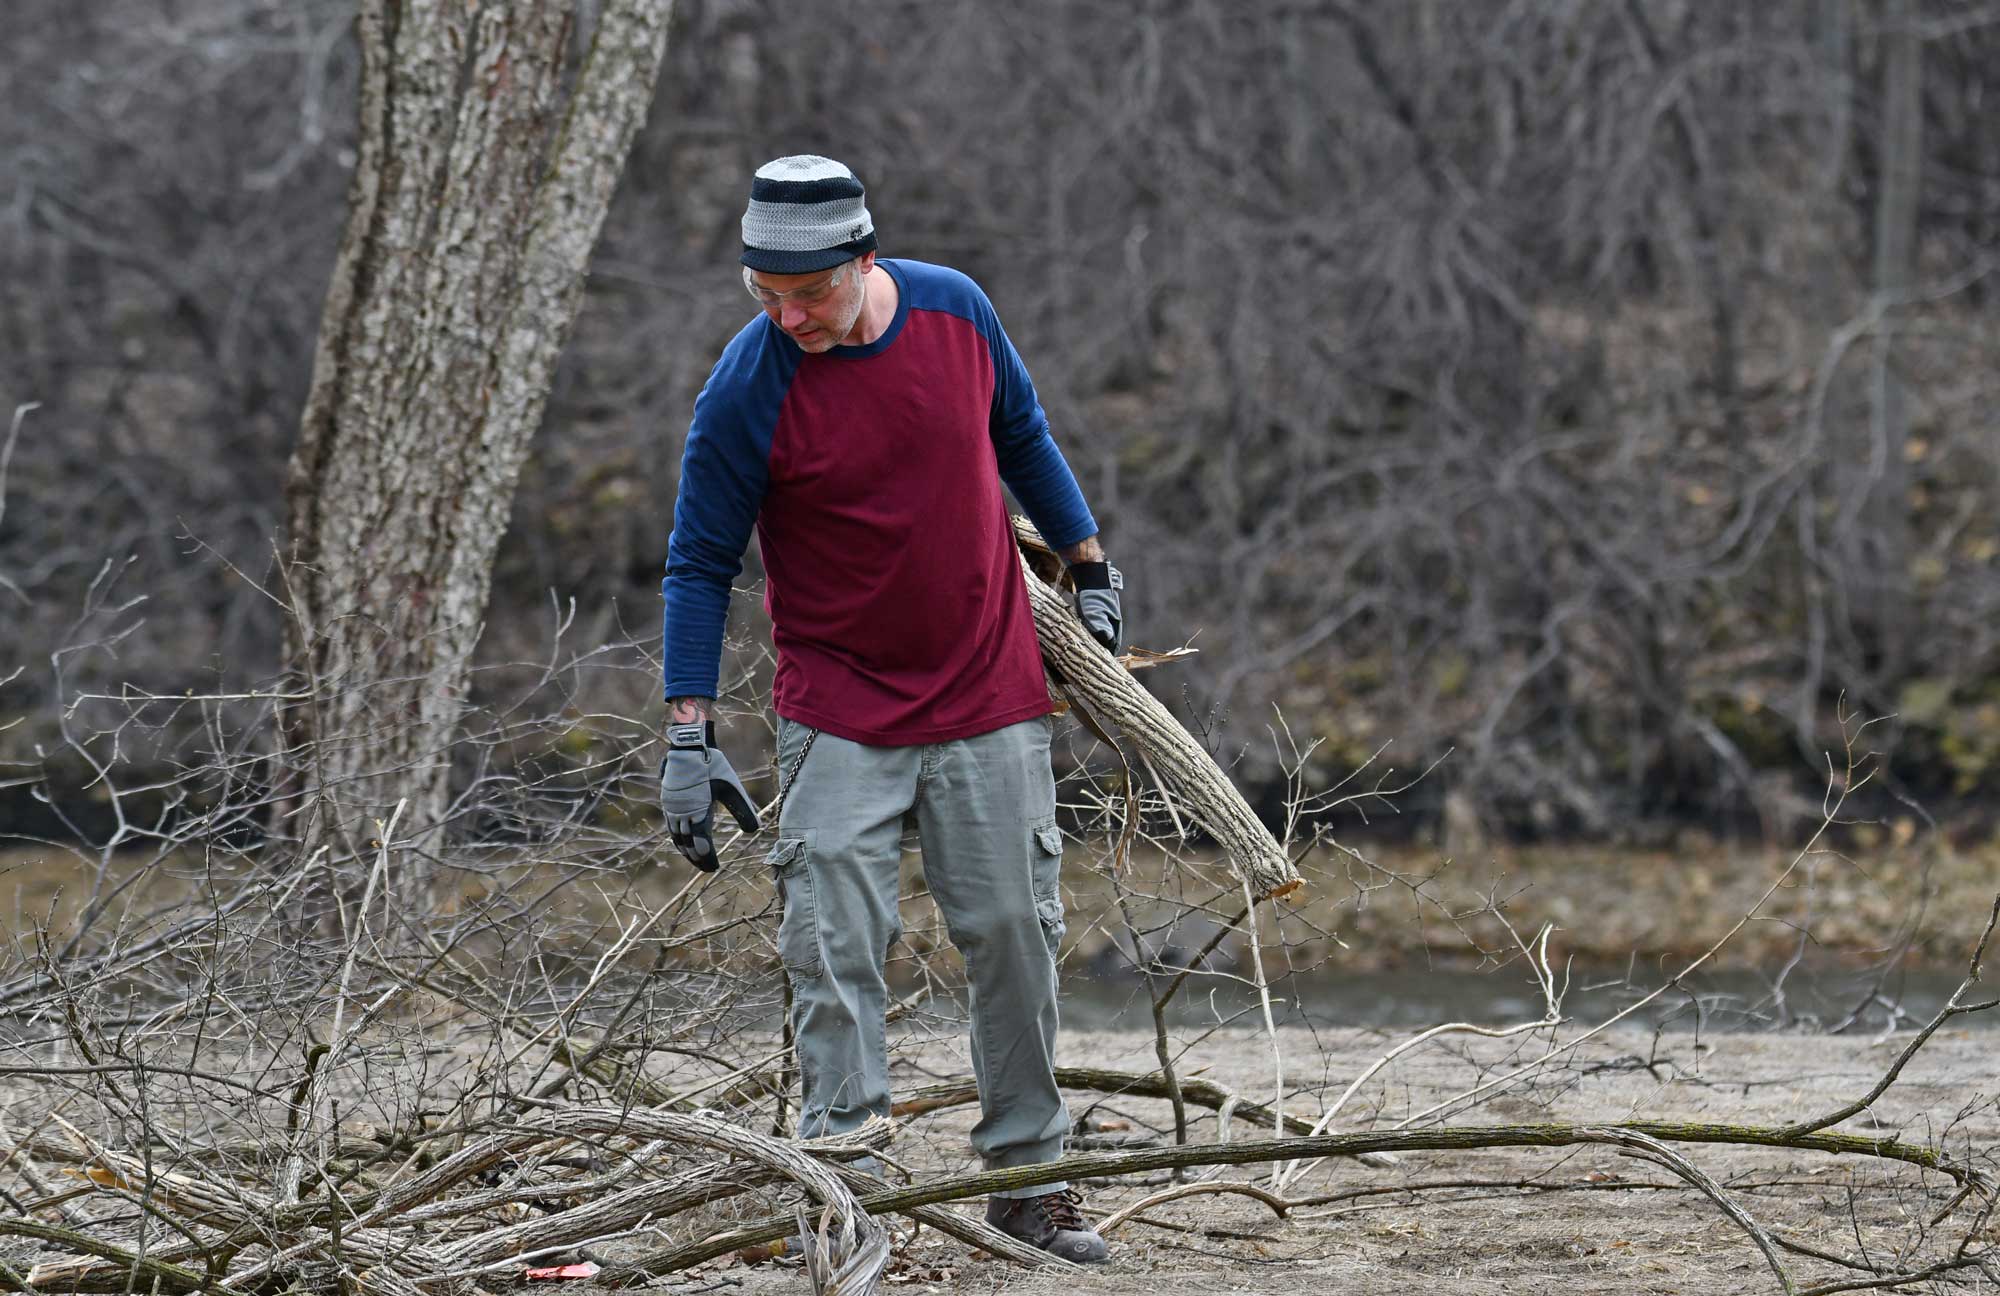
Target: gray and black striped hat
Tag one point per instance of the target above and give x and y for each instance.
(806, 213)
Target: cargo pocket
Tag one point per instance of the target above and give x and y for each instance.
(798, 929)
(1048, 882)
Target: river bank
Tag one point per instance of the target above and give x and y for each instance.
(1883, 897)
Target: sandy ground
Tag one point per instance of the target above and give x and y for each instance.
(1583, 1220)
(1588, 1219)
(1578, 1219)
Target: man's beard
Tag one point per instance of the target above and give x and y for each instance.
(833, 333)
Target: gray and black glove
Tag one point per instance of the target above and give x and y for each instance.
(694, 776)
(1097, 586)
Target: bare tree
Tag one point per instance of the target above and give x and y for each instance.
(1494, 378)
(1881, 553)
(479, 188)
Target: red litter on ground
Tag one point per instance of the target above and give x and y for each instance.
(563, 1273)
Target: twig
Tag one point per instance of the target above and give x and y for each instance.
(1279, 1206)
(1893, 1280)
(107, 965)
(1831, 812)
(7, 451)
(311, 1085)
(1162, 1046)
(1686, 1169)
(1952, 1008)
(1200, 956)
(1263, 1002)
(1538, 957)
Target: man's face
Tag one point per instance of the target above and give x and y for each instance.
(818, 310)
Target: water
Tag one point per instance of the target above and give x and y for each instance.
(1413, 998)
(1099, 991)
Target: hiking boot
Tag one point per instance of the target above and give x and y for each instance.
(1050, 1223)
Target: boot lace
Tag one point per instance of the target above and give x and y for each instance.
(1061, 1210)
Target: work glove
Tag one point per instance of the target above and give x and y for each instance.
(1097, 586)
(694, 776)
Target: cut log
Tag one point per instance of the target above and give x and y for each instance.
(1102, 684)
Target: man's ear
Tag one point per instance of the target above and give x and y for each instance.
(866, 261)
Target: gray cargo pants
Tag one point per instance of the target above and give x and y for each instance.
(986, 814)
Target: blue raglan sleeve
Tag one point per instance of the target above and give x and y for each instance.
(1030, 462)
(724, 473)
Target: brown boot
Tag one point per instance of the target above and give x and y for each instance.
(1051, 1223)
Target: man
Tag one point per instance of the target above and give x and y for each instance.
(863, 425)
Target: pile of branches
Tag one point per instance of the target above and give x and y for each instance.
(592, 1173)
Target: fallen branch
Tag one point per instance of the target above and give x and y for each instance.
(142, 1270)
(975, 1233)
(1447, 1138)
(1659, 1153)
(1279, 1206)
(385, 1228)
(962, 1091)
(1108, 689)
(1955, 1006)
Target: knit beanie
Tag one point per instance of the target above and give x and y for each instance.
(806, 213)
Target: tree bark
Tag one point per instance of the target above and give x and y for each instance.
(478, 191)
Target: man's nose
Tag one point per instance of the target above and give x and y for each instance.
(792, 315)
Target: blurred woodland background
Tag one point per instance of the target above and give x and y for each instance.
(1601, 391)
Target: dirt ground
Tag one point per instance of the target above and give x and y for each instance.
(1585, 1220)
(1527, 1220)
(1580, 1219)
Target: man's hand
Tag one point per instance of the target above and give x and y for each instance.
(1097, 587)
(693, 778)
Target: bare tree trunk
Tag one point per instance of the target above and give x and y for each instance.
(1835, 40)
(1692, 154)
(478, 191)
(1882, 553)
